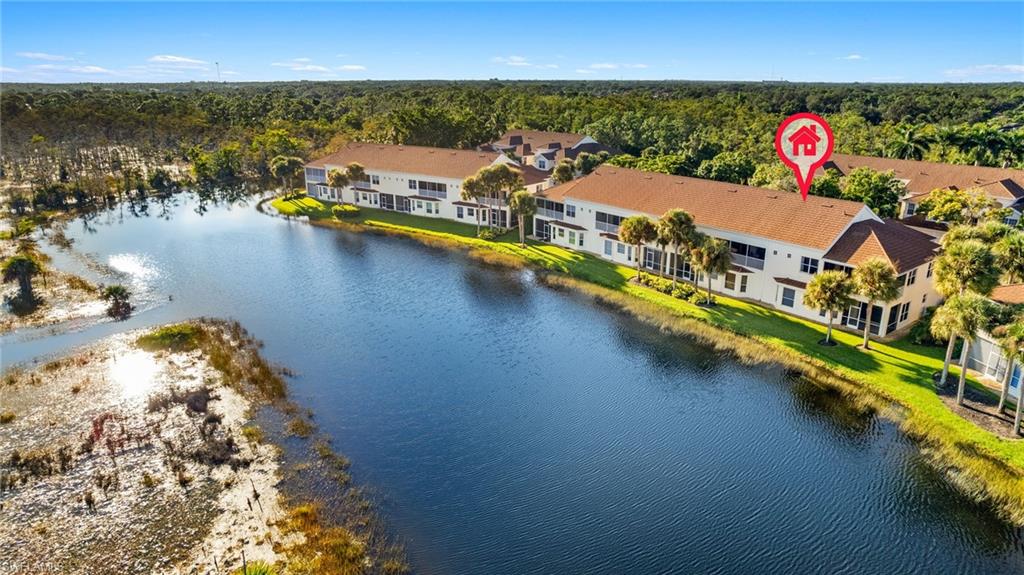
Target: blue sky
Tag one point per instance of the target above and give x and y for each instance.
(832, 42)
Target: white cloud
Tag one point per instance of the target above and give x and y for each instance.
(7, 70)
(352, 68)
(986, 70)
(46, 68)
(615, 66)
(584, 71)
(170, 59)
(301, 65)
(851, 57)
(520, 62)
(44, 56)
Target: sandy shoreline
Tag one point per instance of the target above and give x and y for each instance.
(120, 460)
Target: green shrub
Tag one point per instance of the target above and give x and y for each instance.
(345, 211)
(921, 332)
(700, 297)
(487, 234)
(256, 568)
(179, 337)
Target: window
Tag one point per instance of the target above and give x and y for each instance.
(430, 207)
(572, 237)
(542, 164)
(366, 197)
(931, 268)
(788, 297)
(622, 248)
(570, 210)
(910, 209)
(581, 239)
(747, 255)
(730, 281)
(431, 189)
(412, 184)
(419, 205)
(471, 212)
(629, 255)
(607, 247)
(561, 232)
(924, 298)
(904, 312)
(375, 180)
(911, 277)
(458, 212)
(743, 284)
(808, 265)
(607, 222)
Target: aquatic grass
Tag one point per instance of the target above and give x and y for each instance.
(176, 338)
(256, 568)
(895, 376)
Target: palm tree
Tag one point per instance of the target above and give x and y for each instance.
(637, 230)
(662, 238)
(22, 268)
(967, 264)
(1011, 342)
(472, 191)
(711, 256)
(1009, 253)
(356, 173)
(118, 296)
(286, 168)
(523, 205)
(338, 179)
(677, 226)
(910, 143)
(497, 180)
(961, 316)
(829, 291)
(564, 171)
(876, 281)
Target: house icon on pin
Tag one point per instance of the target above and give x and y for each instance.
(805, 139)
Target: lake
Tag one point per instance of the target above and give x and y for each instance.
(508, 428)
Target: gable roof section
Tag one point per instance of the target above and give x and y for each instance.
(439, 162)
(924, 177)
(539, 139)
(759, 212)
(901, 246)
(1008, 294)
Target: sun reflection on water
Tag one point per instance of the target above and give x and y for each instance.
(135, 372)
(136, 266)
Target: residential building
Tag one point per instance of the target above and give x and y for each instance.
(778, 240)
(1003, 185)
(985, 355)
(414, 179)
(543, 150)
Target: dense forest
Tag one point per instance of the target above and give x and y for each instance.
(52, 134)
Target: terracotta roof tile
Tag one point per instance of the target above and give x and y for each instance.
(1009, 294)
(792, 283)
(723, 206)
(924, 177)
(901, 246)
(440, 162)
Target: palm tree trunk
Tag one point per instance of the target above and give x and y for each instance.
(1005, 391)
(867, 329)
(25, 287)
(478, 221)
(963, 374)
(638, 262)
(675, 268)
(948, 360)
(709, 289)
(664, 261)
(1020, 408)
(522, 230)
(828, 331)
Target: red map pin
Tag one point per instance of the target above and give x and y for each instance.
(804, 143)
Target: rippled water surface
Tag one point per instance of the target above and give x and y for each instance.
(512, 429)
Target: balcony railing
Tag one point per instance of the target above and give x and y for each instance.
(748, 262)
(498, 203)
(606, 227)
(544, 212)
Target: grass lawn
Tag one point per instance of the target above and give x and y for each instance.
(899, 370)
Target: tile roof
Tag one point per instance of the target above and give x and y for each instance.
(924, 177)
(439, 162)
(900, 245)
(770, 214)
(551, 145)
(539, 139)
(792, 283)
(1009, 294)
